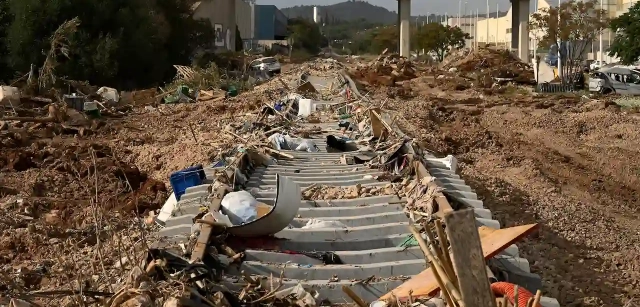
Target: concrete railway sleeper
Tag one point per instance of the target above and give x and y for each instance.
(372, 243)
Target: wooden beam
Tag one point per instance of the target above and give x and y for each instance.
(441, 200)
(208, 225)
(493, 241)
(200, 248)
(468, 261)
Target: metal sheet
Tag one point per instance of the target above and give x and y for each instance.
(286, 207)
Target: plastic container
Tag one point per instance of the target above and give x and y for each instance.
(74, 101)
(186, 178)
(196, 168)
(233, 92)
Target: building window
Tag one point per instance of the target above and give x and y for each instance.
(508, 30)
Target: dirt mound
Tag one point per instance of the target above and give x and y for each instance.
(386, 70)
(566, 164)
(489, 63)
(75, 164)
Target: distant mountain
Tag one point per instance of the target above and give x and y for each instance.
(353, 10)
(345, 11)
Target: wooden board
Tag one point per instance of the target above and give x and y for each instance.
(469, 263)
(377, 127)
(493, 241)
(441, 200)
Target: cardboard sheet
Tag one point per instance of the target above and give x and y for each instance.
(493, 242)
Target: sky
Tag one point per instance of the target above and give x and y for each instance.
(418, 7)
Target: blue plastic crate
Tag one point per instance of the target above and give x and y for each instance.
(196, 168)
(181, 180)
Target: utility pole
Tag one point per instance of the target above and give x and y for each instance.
(600, 55)
(466, 14)
(459, 11)
(535, 38)
(475, 28)
(559, 43)
(497, 10)
(486, 40)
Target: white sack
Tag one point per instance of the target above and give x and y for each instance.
(240, 207)
(318, 223)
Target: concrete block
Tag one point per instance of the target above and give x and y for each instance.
(352, 211)
(343, 234)
(342, 271)
(362, 219)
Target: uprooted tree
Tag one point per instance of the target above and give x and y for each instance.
(438, 39)
(626, 43)
(579, 24)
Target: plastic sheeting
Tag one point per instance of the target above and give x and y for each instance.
(240, 207)
(285, 142)
(109, 94)
(318, 223)
(286, 207)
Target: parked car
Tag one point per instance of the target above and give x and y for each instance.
(615, 80)
(273, 66)
(597, 64)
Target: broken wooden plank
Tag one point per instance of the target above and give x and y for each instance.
(306, 88)
(216, 198)
(200, 248)
(384, 123)
(278, 152)
(442, 202)
(377, 127)
(493, 242)
(468, 261)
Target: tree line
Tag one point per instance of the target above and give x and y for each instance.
(120, 43)
(134, 43)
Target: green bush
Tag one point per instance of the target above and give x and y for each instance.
(120, 43)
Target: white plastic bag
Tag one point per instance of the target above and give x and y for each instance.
(308, 146)
(109, 94)
(240, 207)
(277, 140)
(317, 223)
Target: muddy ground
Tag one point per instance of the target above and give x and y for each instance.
(572, 166)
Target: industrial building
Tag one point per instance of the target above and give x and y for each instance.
(259, 25)
(270, 23)
(268, 27)
(498, 30)
(224, 16)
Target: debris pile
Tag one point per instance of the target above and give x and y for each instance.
(324, 192)
(385, 70)
(489, 65)
(457, 273)
(322, 66)
(245, 201)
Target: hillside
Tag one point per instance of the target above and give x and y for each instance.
(345, 11)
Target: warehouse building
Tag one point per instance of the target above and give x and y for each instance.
(269, 27)
(224, 16)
